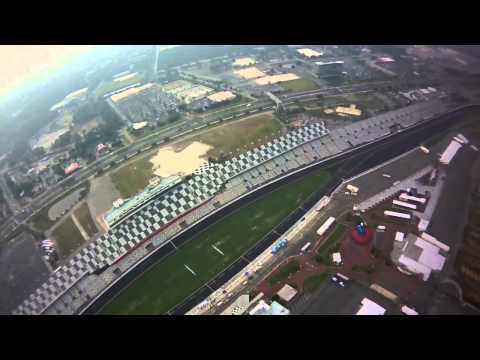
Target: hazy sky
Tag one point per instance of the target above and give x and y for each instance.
(22, 63)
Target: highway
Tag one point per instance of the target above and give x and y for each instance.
(346, 165)
(173, 132)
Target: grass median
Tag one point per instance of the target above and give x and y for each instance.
(68, 237)
(169, 282)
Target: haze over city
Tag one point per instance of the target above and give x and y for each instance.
(239, 180)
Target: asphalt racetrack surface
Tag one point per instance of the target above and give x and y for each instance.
(344, 166)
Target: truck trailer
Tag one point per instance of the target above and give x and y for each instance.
(397, 215)
(325, 226)
(404, 204)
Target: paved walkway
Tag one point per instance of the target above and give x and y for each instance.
(80, 227)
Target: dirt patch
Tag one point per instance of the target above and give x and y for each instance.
(169, 162)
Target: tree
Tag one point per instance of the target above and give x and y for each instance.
(39, 152)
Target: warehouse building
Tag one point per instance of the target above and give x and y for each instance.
(246, 61)
(263, 308)
(368, 307)
(418, 255)
(309, 53)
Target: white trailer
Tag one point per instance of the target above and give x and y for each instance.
(404, 204)
(387, 176)
(381, 228)
(398, 215)
(427, 237)
(424, 149)
(352, 189)
(325, 226)
(408, 311)
(305, 247)
(450, 152)
(406, 197)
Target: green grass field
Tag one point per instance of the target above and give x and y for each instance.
(239, 136)
(299, 85)
(85, 219)
(109, 86)
(68, 237)
(42, 222)
(132, 178)
(168, 283)
(284, 272)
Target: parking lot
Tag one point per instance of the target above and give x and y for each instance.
(332, 299)
(22, 270)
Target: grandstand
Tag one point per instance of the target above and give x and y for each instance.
(125, 208)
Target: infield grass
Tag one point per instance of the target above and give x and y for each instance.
(168, 283)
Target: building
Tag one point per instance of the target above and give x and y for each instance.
(287, 293)
(125, 208)
(185, 91)
(262, 308)
(368, 307)
(416, 255)
(351, 110)
(249, 73)
(72, 168)
(101, 148)
(329, 68)
(273, 79)
(46, 141)
(246, 61)
(221, 96)
(139, 125)
(309, 53)
(129, 92)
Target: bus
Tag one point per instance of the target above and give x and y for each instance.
(402, 204)
(305, 247)
(397, 215)
(325, 226)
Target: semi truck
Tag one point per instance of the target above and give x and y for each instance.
(424, 149)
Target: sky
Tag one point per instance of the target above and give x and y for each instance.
(22, 64)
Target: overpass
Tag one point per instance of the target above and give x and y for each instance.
(276, 100)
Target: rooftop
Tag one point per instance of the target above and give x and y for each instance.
(221, 96)
(351, 110)
(273, 79)
(262, 308)
(309, 52)
(130, 92)
(287, 293)
(249, 73)
(368, 307)
(246, 61)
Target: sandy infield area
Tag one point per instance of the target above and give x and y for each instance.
(169, 162)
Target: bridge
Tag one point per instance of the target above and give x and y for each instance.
(276, 100)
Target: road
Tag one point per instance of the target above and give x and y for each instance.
(353, 163)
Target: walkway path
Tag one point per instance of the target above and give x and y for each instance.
(80, 227)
